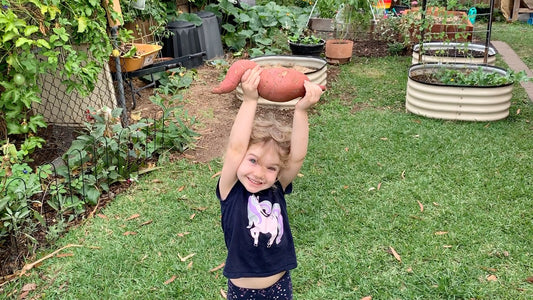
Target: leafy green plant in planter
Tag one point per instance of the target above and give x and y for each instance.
(475, 77)
(458, 91)
(256, 29)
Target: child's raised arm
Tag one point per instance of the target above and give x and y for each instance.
(300, 133)
(240, 132)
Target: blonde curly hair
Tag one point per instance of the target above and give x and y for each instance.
(269, 129)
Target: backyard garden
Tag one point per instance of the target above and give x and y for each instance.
(396, 199)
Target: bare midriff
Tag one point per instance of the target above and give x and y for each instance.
(257, 283)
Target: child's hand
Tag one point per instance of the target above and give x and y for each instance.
(312, 95)
(250, 81)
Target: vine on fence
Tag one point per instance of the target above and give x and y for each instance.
(104, 154)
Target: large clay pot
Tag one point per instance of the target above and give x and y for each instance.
(339, 51)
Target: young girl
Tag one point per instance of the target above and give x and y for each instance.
(260, 163)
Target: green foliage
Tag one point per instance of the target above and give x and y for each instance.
(305, 39)
(258, 28)
(18, 183)
(67, 38)
(104, 154)
(327, 8)
(478, 77)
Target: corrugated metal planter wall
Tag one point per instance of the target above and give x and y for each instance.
(439, 52)
(451, 102)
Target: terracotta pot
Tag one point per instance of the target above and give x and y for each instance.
(339, 51)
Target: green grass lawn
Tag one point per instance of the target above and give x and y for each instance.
(390, 205)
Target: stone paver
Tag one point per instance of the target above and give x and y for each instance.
(515, 63)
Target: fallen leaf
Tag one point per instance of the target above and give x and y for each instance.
(216, 174)
(529, 279)
(23, 295)
(186, 257)
(217, 267)
(65, 255)
(171, 279)
(223, 293)
(379, 186)
(435, 203)
(492, 278)
(29, 287)
(367, 298)
(383, 138)
(403, 174)
(181, 188)
(135, 115)
(395, 254)
(346, 149)
(157, 181)
(183, 234)
(420, 205)
(518, 111)
(102, 216)
(447, 246)
(409, 270)
(189, 265)
(134, 216)
(129, 233)
(487, 126)
(192, 216)
(441, 232)
(300, 175)
(147, 222)
(346, 187)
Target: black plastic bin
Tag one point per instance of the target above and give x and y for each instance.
(209, 33)
(183, 41)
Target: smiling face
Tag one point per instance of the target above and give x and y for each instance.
(260, 167)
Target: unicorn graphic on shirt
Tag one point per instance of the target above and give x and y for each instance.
(265, 218)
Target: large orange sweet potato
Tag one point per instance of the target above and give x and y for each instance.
(276, 84)
(233, 76)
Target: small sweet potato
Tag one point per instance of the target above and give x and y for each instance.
(276, 84)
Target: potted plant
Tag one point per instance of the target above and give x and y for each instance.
(306, 45)
(302, 41)
(353, 16)
(458, 91)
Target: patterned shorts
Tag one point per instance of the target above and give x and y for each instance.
(282, 289)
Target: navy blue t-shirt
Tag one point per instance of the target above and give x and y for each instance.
(256, 231)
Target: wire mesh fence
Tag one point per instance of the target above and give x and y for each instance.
(61, 190)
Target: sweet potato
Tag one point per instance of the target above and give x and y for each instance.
(276, 84)
(233, 76)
